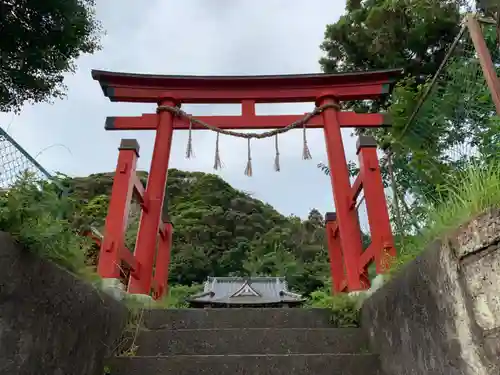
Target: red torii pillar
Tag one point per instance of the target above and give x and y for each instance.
(247, 90)
(381, 249)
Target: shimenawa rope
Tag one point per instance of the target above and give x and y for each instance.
(306, 154)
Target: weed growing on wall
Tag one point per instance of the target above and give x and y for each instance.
(176, 298)
(345, 308)
(36, 216)
(468, 194)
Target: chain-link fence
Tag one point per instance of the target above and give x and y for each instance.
(16, 162)
(452, 125)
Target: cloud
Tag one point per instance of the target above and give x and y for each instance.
(219, 37)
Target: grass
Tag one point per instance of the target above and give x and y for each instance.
(467, 195)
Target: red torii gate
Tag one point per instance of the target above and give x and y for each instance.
(347, 259)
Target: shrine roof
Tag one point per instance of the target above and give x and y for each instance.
(246, 291)
(111, 81)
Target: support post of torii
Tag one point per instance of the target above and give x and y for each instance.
(246, 90)
(347, 219)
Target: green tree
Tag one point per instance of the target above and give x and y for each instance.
(380, 34)
(491, 8)
(39, 44)
(456, 118)
(415, 35)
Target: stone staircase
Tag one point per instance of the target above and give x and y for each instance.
(246, 341)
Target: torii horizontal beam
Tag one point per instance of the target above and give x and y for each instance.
(150, 121)
(150, 88)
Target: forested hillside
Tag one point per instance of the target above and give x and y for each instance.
(220, 231)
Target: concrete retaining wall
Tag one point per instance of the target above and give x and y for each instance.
(52, 323)
(441, 314)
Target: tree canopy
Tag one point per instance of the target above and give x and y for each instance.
(40, 42)
(379, 34)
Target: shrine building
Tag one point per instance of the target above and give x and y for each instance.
(245, 292)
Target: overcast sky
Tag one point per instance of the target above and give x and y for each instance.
(200, 37)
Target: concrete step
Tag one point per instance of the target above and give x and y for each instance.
(294, 364)
(237, 318)
(251, 341)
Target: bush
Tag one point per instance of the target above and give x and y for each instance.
(38, 218)
(176, 298)
(177, 295)
(345, 308)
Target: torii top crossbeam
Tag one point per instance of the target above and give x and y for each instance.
(247, 90)
(149, 88)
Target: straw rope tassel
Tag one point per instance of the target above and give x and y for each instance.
(277, 157)
(217, 162)
(306, 154)
(189, 147)
(248, 169)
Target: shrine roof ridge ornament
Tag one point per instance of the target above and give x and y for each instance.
(149, 88)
